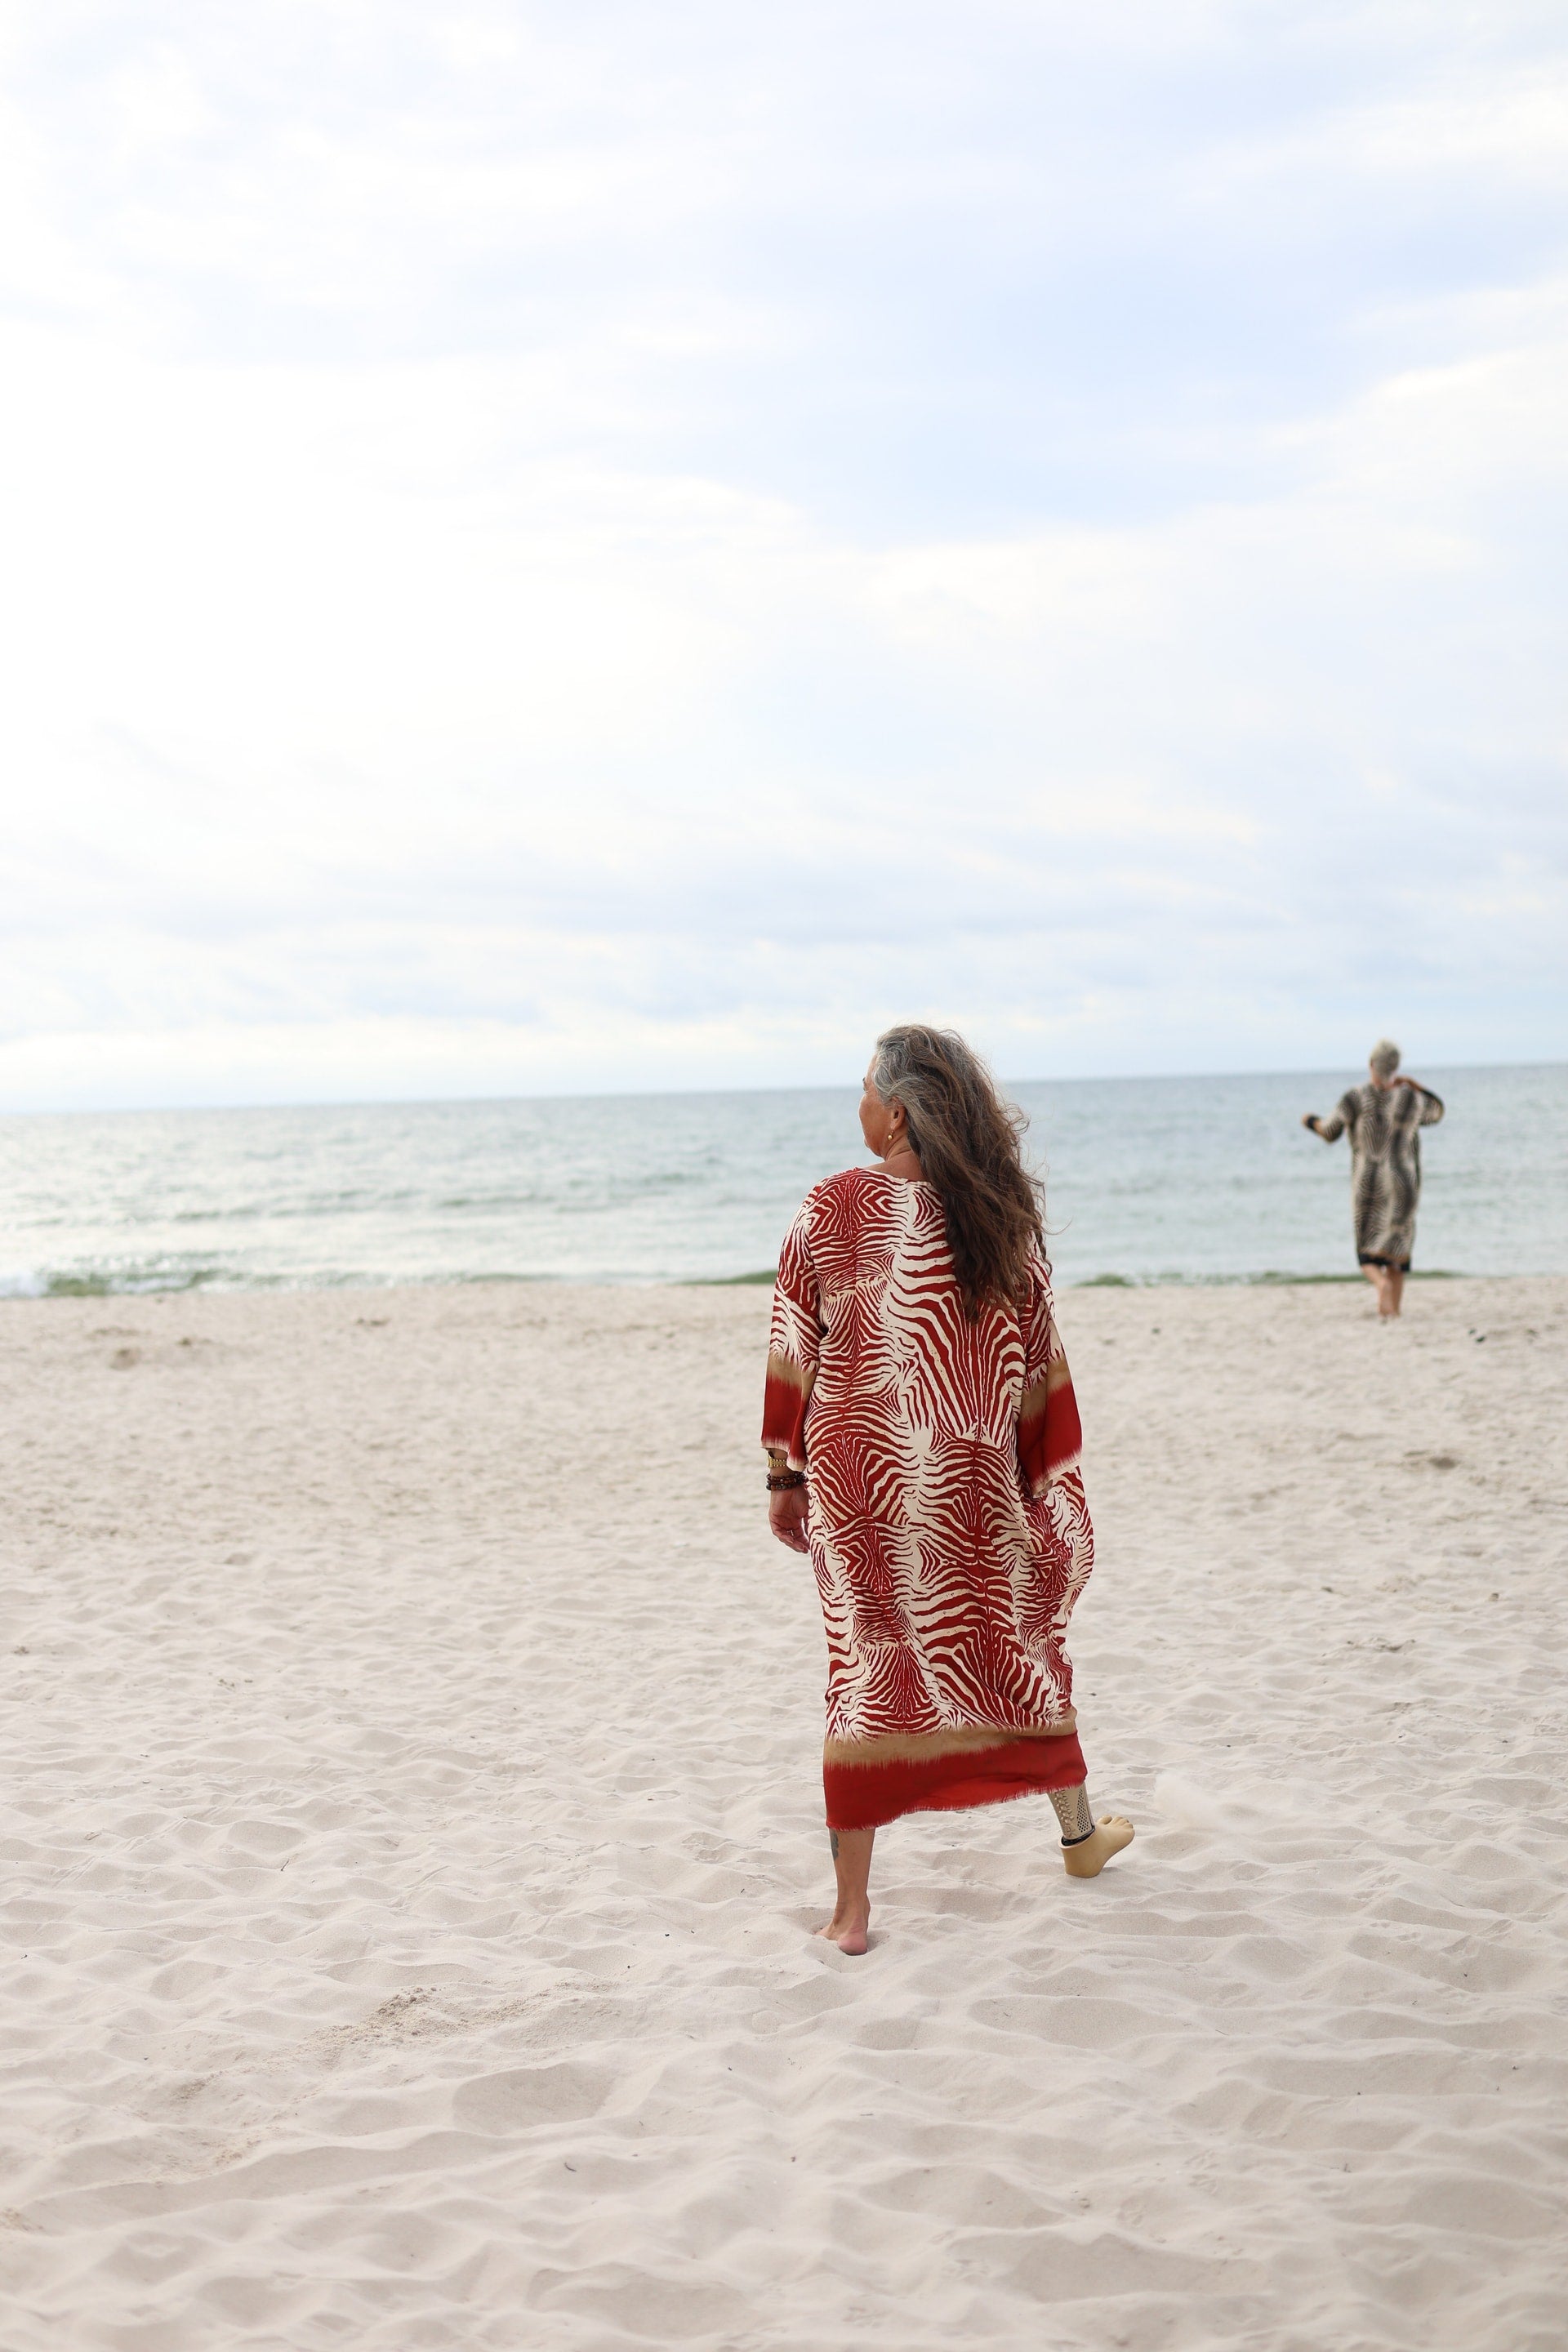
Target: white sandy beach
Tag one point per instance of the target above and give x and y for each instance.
(412, 1837)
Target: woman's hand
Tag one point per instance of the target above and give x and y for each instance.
(786, 1516)
(1309, 1119)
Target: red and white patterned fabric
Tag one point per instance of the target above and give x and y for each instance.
(948, 1528)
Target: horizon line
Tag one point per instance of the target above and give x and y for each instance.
(662, 1093)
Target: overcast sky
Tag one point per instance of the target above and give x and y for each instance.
(615, 546)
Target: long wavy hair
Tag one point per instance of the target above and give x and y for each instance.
(968, 1142)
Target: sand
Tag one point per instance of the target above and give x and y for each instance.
(412, 1843)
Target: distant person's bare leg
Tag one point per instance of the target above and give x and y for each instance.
(1395, 1289)
(852, 1913)
(1381, 1280)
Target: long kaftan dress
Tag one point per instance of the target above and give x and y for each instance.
(947, 1522)
(1383, 1124)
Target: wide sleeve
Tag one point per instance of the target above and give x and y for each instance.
(1050, 1439)
(1431, 1106)
(794, 1344)
(1343, 1116)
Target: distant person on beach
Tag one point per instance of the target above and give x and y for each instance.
(922, 1442)
(1383, 1119)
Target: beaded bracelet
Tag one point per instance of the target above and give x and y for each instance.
(778, 1480)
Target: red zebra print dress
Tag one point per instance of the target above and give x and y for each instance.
(948, 1527)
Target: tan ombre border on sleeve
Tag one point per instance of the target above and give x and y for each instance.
(1036, 1398)
(788, 1373)
(785, 1397)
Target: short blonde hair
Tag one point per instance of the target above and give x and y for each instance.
(1384, 1058)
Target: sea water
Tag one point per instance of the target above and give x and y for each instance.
(1150, 1180)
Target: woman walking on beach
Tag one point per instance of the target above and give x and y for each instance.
(1383, 1119)
(922, 1442)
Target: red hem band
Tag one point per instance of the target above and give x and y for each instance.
(867, 1796)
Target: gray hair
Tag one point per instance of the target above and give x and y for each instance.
(903, 1072)
(1384, 1058)
(967, 1139)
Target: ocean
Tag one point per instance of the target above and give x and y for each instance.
(1148, 1179)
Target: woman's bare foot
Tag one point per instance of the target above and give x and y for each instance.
(1088, 1857)
(849, 1930)
(852, 1906)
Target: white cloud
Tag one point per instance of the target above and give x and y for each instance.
(454, 648)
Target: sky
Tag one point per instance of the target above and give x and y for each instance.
(575, 547)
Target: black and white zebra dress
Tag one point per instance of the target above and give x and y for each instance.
(1383, 1124)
